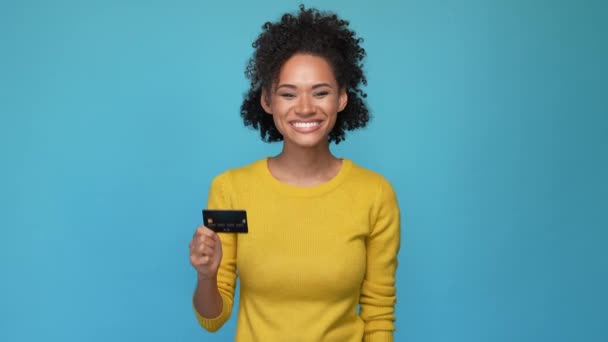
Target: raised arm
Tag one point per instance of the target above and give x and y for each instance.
(215, 262)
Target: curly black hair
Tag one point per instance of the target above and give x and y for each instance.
(317, 33)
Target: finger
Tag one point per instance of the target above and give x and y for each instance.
(197, 245)
(202, 260)
(208, 242)
(198, 231)
(208, 232)
(199, 260)
(194, 247)
(205, 250)
(203, 231)
(204, 239)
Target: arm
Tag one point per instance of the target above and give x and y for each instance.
(378, 294)
(207, 299)
(214, 296)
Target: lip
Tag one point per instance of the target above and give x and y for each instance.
(306, 129)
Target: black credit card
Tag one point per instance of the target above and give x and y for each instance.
(225, 221)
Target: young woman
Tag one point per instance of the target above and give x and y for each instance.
(319, 260)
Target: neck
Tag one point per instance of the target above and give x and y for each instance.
(304, 166)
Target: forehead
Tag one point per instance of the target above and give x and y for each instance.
(304, 68)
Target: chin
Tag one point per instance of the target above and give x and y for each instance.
(307, 143)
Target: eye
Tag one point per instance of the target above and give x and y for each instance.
(321, 94)
(287, 96)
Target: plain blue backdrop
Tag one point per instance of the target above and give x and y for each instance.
(489, 119)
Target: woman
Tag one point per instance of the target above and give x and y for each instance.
(323, 232)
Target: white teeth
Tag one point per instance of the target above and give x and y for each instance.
(306, 124)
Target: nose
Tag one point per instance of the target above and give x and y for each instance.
(305, 106)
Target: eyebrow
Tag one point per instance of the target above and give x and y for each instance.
(291, 86)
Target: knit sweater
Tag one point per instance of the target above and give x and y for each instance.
(318, 262)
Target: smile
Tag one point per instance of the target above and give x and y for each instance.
(302, 124)
(305, 126)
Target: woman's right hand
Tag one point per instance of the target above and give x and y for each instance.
(205, 252)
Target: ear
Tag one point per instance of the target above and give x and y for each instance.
(342, 100)
(265, 101)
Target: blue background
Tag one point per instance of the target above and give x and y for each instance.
(490, 120)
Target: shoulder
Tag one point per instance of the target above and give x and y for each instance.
(373, 186)
(243, 173)
(362, 176)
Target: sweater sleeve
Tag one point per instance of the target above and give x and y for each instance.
(219, 198)
(378, 294)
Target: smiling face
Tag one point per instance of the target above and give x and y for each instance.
(305, 101)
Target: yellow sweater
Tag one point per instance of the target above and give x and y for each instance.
(312, 255)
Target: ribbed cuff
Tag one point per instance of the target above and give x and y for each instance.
(378, 336)
(213, 324)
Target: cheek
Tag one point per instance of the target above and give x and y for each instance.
(278, 123)
(331, 108)
(331, 104)
(280, 108)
